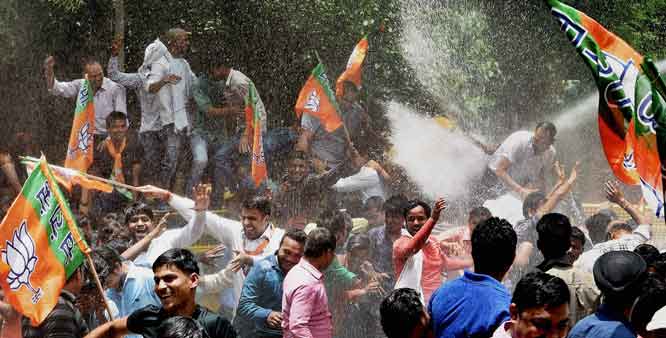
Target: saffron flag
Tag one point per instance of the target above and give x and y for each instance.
(631, 110)
(40, 246)
(68, 177)
(647, 135)
(615, 66)
(354, 67)
(317, 99)
(80, 147)
(253, 118)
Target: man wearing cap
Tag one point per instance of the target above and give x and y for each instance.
(619, 275)
(172, 80)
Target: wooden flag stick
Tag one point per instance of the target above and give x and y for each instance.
(73, 229)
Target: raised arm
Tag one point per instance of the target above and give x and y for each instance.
(559, 192)
(615, 195)
(55, 87)
(194, 229)
(419, 240)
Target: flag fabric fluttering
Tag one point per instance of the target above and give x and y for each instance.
(317, 99)
(68, 177)
(630, 109)
(259, 170)
(354, 67)
(40, 244)
(80, 146)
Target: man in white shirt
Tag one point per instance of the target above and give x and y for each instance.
(172, 80)
(252, 239)
(150, 135)
(108, 95)
(521, 161)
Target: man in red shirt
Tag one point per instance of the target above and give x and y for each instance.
(418, 260)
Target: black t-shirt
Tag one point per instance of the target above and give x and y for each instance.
(146, 321)
(103, 161)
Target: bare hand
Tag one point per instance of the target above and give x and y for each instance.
(439, 206)
(274, 320)
(201, 195)
(372, 287)
(451, 249)
(210, 255)
(171, 79)
(613, 193)
(574, 173)
(116, 46)
(155, 192)
(160, 228)
(240, 261)
(244, 144)
(559, 171)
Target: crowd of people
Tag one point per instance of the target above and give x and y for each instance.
(325, 248)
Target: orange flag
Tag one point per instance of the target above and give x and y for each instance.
(253, 118)
(80, 147)
(40, 246)
(317, 99)
(68, 177)
(354, 67)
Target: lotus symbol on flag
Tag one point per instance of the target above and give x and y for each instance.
(84, 138)
(312, 103)
(20, 256)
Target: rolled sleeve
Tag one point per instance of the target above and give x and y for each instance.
(66, 89)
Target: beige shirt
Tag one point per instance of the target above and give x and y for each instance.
(584, 294)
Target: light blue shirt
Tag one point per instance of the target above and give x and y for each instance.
(138, 291)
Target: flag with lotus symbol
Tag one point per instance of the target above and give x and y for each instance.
(317, 99)
(253, 118)
(80, 147)
(354, 67)
(631, 108)
(40, 246)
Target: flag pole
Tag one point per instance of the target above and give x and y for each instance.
(350, 144)
(86, 175)
(83, 246)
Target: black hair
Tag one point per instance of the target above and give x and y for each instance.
(319, 241)
(554, 232)
(493, 246)
(334, 220)
(411, 204)
(261, 203)
(400, 312)
(295, 234)
(115, 116)
(374, 202)
(395, 205)
(182, 259)
(137, 209)
(358, 241)
(649, 253)
(298, 155)
(539, 289)
(651, 299)
(577, 234)
(547, 126)
(596, 226)
(105, 260)
(482, 213)
(532, 202)
(118, 244)
(179, 326)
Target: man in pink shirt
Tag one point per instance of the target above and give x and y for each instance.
(305, 311)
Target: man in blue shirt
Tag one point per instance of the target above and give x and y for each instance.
(128, 286)
(475, 304)
(619, 275)
(259, 312)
